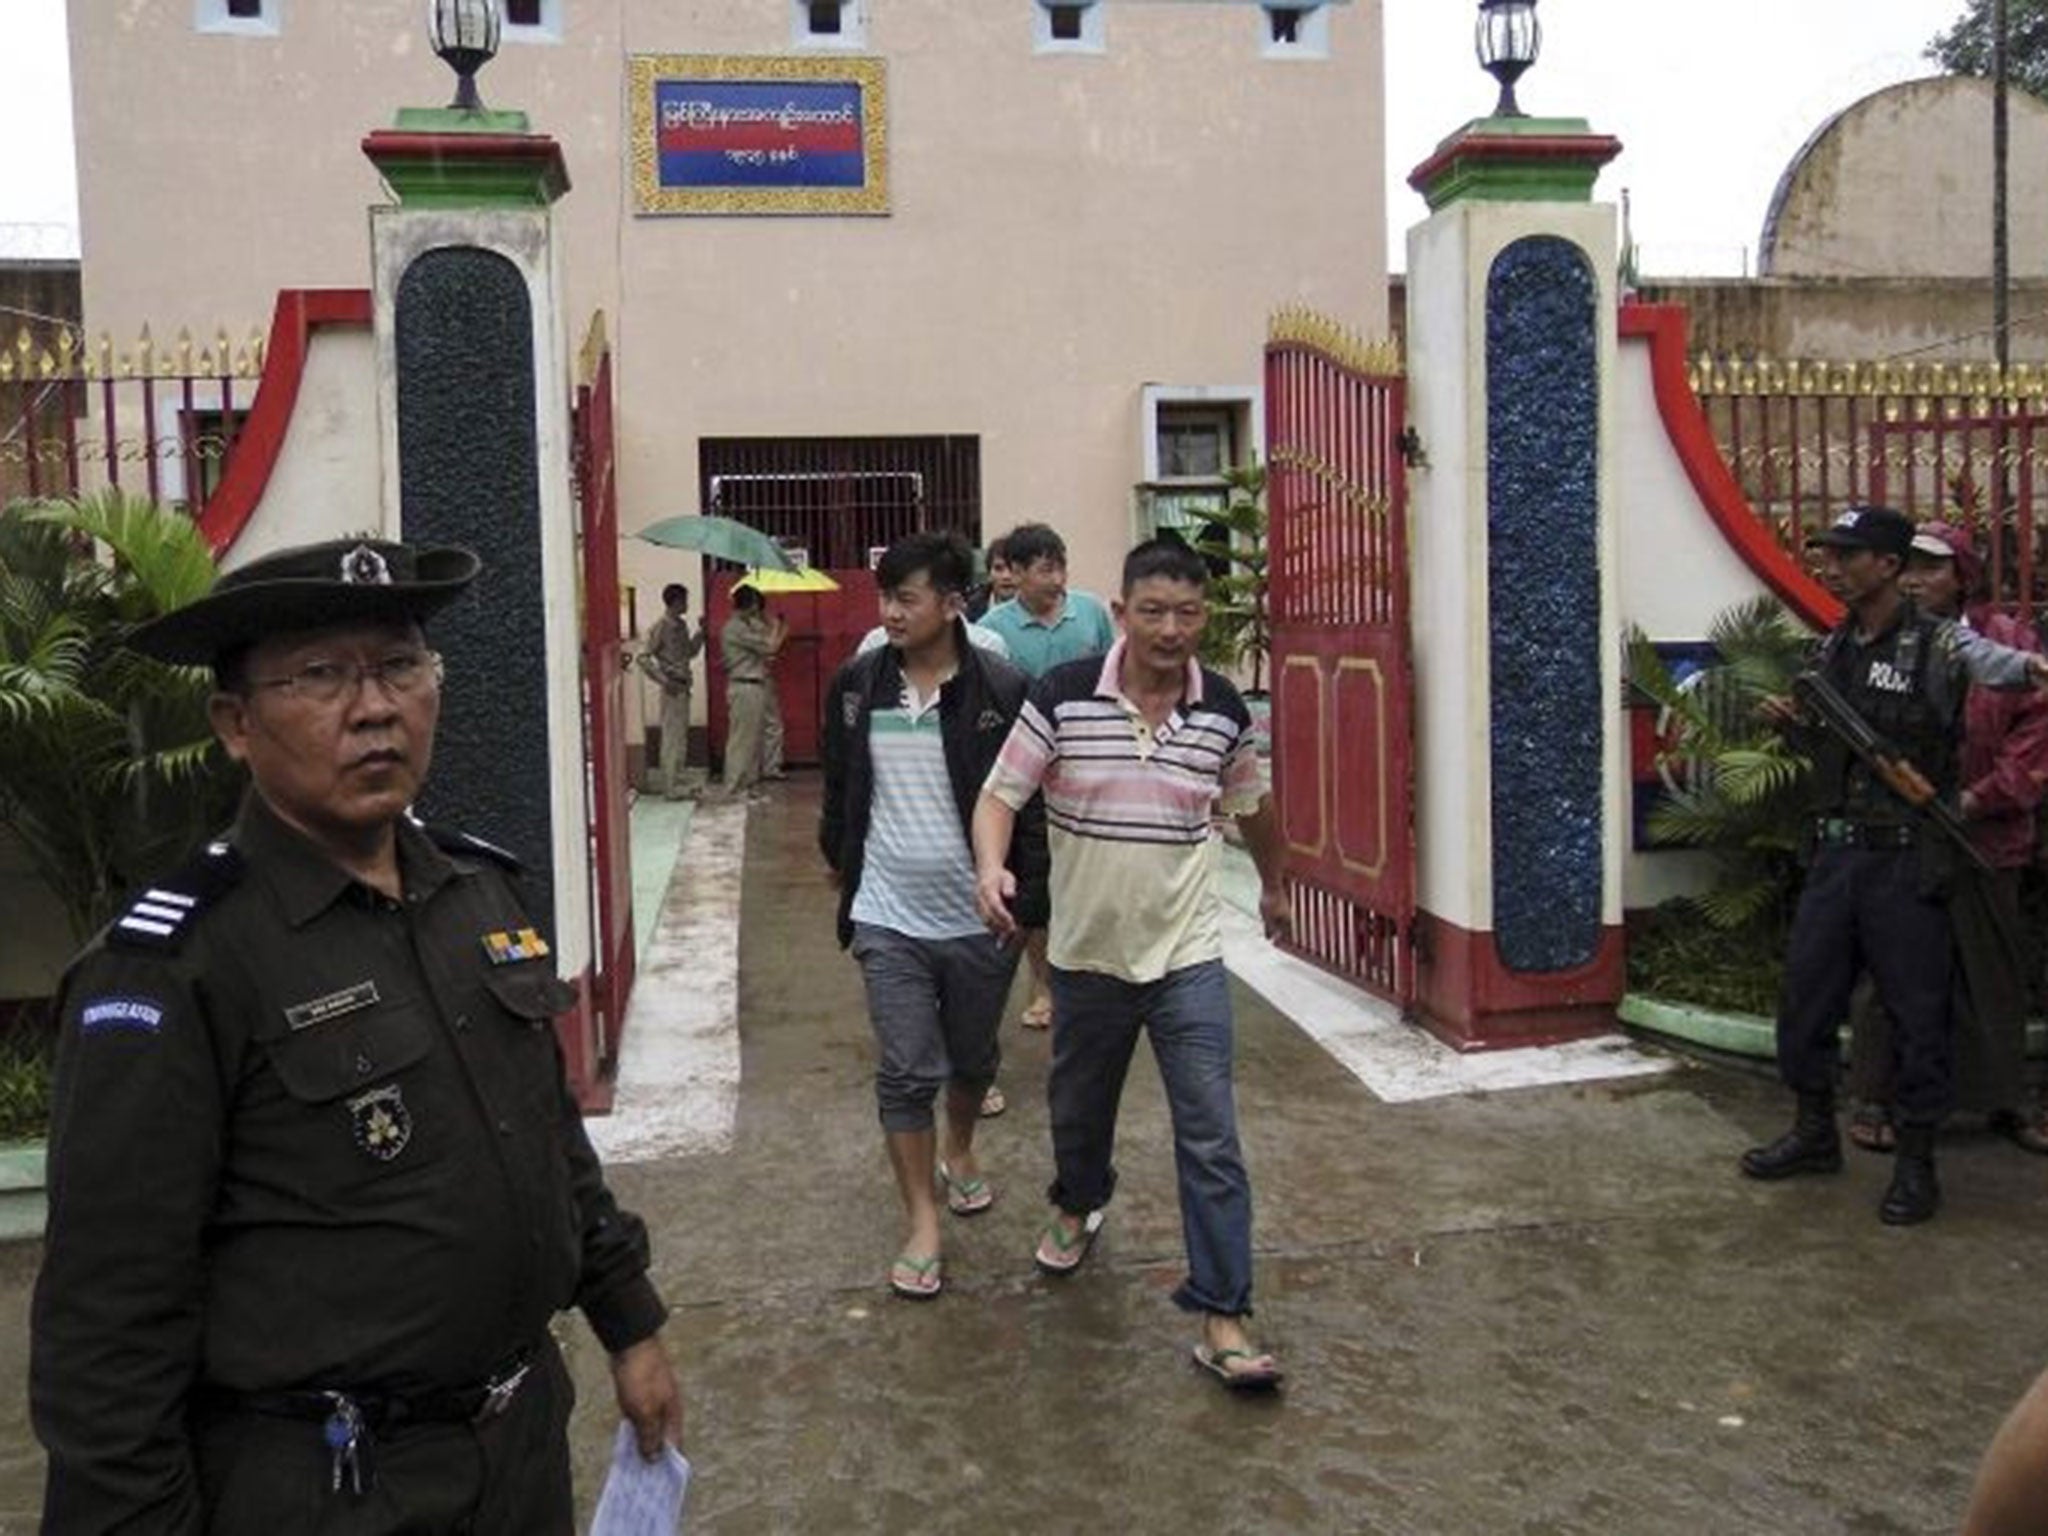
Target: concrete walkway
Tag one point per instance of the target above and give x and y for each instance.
(1541, 1309)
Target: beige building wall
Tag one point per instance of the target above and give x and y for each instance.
(1899, 185)
(1066, 228)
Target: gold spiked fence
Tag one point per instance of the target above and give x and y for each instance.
(159, 419)
(1963, 442)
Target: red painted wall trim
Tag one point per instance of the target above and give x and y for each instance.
(1468, 999)
(1591, 148)
(1663, 325)
(299, 312)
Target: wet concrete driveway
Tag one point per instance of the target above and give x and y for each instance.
(1547, 1311)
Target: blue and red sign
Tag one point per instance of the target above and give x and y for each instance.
(759, 133)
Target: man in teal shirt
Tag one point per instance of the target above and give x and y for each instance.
(1045, 623)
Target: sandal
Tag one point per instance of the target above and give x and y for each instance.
(1038, 1015)
(2026, 1131)
(965, 1197)
(1058, 1254)
(916, 1279)
(993, 1103)
(1240, 1369)
(1870, 1128)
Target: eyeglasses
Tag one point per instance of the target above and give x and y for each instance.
(329, 682)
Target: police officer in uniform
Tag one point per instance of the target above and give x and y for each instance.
(317, 1185)
(1875, 892)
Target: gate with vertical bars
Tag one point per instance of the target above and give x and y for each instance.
(1343, 708)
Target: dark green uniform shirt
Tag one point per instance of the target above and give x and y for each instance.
(306, 1137)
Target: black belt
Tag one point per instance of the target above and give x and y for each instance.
(745, 682)
(1840, 832)
(385, 1410)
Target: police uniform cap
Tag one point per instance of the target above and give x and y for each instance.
(311, 586)
(1881, 529)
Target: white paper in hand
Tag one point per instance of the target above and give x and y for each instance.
(641, 1498)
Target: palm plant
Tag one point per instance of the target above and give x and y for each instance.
(108, 768)
(1239, 632)
(1737, 786)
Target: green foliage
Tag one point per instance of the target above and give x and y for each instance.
(1239, 632)
(108, 767)
(1965, 48)
(1740, 790)
(1675, 956)
(25, 1050)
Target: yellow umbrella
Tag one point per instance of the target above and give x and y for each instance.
(804, 578)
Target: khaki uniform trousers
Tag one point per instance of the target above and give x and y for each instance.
(746, 708)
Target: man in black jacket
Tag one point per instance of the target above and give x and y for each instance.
(911, 731)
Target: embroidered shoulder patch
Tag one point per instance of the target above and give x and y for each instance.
(120, 1015)
(161, 916)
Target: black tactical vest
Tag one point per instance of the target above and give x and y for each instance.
(1903, 683)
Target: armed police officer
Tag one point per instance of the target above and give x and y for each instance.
(1876, 885)
(317, 1185)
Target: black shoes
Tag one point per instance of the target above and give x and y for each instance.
(1812, 1145)
(1915, 1193)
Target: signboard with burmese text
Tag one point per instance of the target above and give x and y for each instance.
(746, 134)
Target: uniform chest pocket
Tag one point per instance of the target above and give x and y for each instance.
(324, 1061)
(533, 995)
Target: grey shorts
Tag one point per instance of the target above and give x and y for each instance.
(934, 1005)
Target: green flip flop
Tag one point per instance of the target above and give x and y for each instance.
(926, 1278)
(966, 1197)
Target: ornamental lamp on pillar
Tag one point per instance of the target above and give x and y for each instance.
(465, 34)
(1507, 39)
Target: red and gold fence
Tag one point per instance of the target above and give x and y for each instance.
(158, 420)
(1962, 442)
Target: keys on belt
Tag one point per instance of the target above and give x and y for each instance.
(1841, 832)
(350, 1422)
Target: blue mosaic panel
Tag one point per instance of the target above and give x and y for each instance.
(1543, 575)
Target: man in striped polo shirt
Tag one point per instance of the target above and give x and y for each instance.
(1134, 754)
(912, 729)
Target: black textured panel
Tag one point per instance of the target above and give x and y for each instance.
(468, 473)
(1543, 573)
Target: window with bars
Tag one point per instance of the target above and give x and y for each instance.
(1067, 26)
(828, 23)
(248, 18)
(533, 21)
(1299, 30)
(838, 498)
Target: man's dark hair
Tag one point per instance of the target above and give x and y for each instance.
(746, 598)
(1166, 556)
(1030, 542)
(944, 556)
(998, 549)
(673, 591)
(231, 670)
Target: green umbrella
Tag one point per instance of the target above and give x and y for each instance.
(721, 538)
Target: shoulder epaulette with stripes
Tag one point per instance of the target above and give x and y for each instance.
(162, 915)
(468, 845)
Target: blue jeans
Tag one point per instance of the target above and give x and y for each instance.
(1096, 1020)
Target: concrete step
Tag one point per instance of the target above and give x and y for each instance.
(21, 1191)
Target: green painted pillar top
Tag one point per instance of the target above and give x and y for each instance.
(1515, 160)
(445, 157)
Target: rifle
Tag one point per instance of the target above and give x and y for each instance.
(1893, 768)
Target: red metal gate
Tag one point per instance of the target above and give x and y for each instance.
(1343, 740)
(592, 1056)
(1986, 472)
